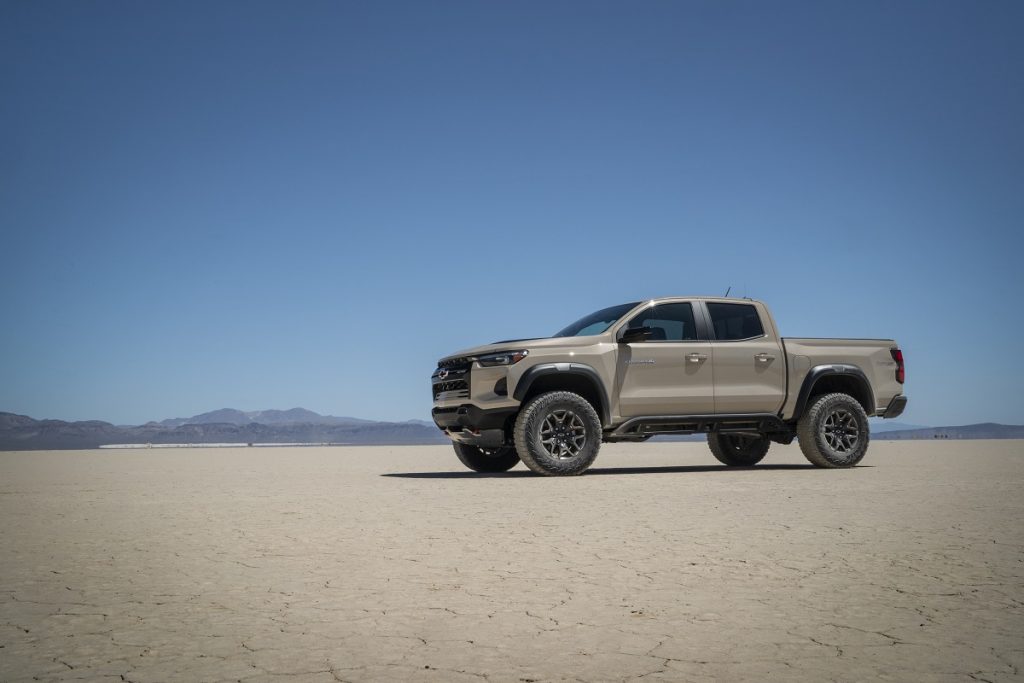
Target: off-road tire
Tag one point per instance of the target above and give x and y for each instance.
(738, 451)
(542, 414)
(486, 459)
(833, 431)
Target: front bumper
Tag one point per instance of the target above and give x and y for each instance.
(896, 407)
(472, 425)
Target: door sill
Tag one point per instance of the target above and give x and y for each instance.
(648, 425)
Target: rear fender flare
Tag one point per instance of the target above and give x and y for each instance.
(833, 370)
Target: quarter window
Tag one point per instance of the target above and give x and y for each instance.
(668, 322)
(735, 321)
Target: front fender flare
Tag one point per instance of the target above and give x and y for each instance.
(565, 369)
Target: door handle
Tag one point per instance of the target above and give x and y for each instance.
(764, 357)
(697, 357)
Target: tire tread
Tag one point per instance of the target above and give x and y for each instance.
(724, 455)
(807, 430)
(524, 429)
(473, 458)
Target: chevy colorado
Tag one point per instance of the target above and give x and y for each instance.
(676, 365)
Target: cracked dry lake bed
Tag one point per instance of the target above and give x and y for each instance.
(394, 563)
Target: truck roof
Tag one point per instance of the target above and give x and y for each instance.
(725, 299)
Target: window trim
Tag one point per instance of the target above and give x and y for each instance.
(699, 324)
(713, 336)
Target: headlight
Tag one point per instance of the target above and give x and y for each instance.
(503, 358)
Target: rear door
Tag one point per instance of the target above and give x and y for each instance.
(750, 369)
(670, 373)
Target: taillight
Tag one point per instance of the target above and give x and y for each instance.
(897, 356)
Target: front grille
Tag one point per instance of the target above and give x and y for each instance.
(452, 396)
(451, 386)
(455, 381)
(456, 385)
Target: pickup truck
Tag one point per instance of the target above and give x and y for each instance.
(674, 365)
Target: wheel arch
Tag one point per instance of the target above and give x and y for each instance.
(835, 378)
(575, 377)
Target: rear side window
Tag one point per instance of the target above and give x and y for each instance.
(668, 322)
(735, 321)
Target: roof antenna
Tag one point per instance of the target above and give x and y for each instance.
(727, 291)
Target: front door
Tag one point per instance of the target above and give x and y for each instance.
(670, 372)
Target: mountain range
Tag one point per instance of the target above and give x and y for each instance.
(266, 417)
(298, 425)
(984, 430)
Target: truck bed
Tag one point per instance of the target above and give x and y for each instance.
(872, 356)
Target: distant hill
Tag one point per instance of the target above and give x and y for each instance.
(985, 430)
(879, 425)
(266, 417)
(20, 432)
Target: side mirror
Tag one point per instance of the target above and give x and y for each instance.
(634, 334)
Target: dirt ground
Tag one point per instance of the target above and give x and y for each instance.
(394, 563)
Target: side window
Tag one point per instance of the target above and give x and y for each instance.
(735, 321)
(668, 322)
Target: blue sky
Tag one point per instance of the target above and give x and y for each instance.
(260, 205)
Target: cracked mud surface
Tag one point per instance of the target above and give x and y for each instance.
(297, 564)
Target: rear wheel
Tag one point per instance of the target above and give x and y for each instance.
(833, 432)
(487, 459)
(558, 433)
(737, 450)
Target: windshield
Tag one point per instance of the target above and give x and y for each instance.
(598, 322)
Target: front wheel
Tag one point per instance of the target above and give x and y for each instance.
(833, 432)
(486, 459)
(737, 450)
(558, 433)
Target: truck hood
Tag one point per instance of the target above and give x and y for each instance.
(517, 344)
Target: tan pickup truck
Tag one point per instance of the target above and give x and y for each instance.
(676, 365)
